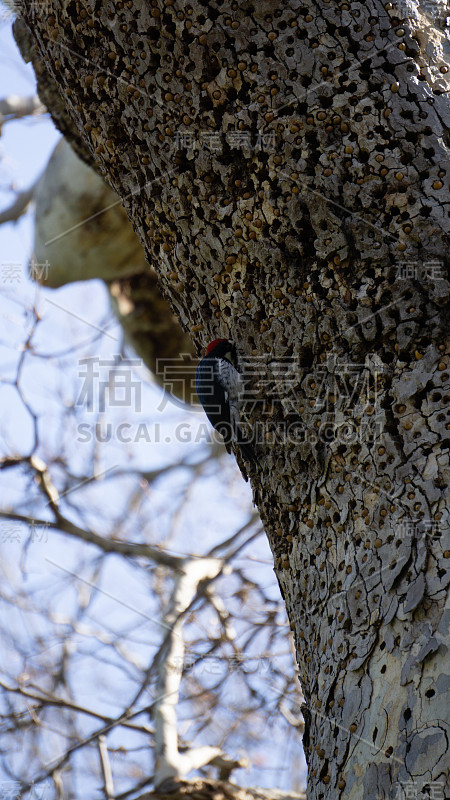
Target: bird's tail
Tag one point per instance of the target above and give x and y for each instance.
(245, 444)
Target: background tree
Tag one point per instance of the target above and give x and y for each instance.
(286, 169)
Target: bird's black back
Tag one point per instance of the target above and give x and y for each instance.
(212, 395)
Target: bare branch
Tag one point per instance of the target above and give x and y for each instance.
(106, 768)
(16, 107)
(170, 763)
(18, 206)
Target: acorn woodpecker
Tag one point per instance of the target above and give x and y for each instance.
(219, 386)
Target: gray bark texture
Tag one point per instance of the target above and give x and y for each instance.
(286, 166)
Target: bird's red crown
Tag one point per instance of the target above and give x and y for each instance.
(214, 344)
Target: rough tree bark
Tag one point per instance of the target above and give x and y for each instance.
(307, 224)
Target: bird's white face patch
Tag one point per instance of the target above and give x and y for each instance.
(229, 378)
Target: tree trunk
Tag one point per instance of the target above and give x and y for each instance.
(286, 168)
